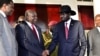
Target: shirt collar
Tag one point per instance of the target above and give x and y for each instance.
(2, 13)
(68, 22)
(29, 24)
(98, 29)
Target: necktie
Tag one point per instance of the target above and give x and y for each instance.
(34, 31)
(66, 30)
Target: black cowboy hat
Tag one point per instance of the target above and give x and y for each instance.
(67, 9)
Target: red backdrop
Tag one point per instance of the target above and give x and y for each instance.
(45, 12)
(86, 16)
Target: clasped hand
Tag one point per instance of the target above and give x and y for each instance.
(45, 53)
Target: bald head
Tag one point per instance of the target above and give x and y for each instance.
(31, 16)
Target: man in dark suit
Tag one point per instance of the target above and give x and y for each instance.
(69, 35)
(29, 37)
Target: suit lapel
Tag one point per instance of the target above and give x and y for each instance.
(62, 30)
(97, 32)
(27, 26)
(71, 25)
(29, 30)
(71, 28)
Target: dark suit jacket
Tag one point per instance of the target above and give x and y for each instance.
(75, 45)
(28, 44)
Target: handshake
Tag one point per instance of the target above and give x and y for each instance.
(45, 53)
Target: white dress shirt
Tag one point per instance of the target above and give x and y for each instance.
(98, 29)
(68, 23)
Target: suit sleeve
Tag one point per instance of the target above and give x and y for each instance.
(82, 39)
(89, 44)
(25, 43)
(1, 28)
(54, 40)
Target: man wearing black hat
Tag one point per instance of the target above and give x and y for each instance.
(69, 35)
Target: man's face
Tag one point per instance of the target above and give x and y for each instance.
(32, 17)
(65, 16)
(97, 21)
(9, 8)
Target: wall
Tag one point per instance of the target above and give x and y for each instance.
(96, 7)
(72, 3)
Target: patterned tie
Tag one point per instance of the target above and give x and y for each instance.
(66, 30)
(34, 31)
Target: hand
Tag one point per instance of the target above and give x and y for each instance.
(45, 53)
